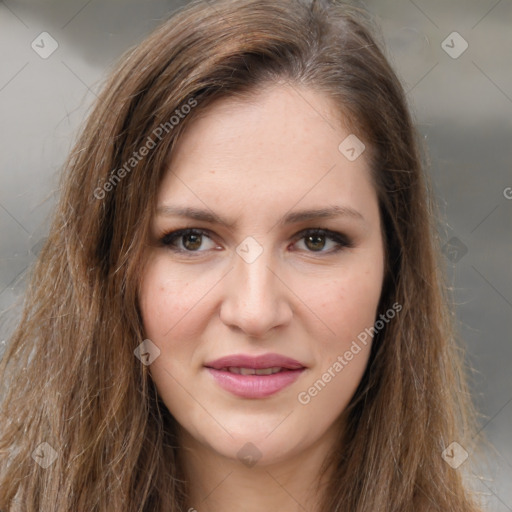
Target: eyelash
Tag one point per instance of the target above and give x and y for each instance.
(341, 240)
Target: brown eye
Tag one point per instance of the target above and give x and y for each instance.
(188, 240)
(192, 241)
(315, 242)
(322, 241)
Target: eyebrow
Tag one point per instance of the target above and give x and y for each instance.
(289, 218)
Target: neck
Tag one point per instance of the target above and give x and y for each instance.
(218, 483)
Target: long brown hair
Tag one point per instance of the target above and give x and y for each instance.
(70, 375)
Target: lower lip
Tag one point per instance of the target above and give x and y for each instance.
(254, 386)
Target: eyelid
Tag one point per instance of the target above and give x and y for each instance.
(333, 235)
(167, 238)
(342, 240)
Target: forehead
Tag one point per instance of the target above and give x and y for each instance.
(275, 148)
(275, 119)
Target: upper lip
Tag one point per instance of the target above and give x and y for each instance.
(256, 362)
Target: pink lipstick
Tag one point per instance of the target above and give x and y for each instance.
(255, 377)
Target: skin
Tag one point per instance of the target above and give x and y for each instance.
(252, 161)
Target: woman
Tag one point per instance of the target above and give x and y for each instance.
(239, 305)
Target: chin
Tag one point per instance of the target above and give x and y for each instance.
(253, 445)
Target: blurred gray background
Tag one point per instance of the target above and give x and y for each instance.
(455, 61)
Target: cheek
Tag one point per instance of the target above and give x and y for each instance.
(168, 300)
(345, 304)
(348, 307)
(172, 312)
(357, 295)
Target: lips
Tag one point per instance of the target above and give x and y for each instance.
(255, 377)
(255, 362)
(253, 371)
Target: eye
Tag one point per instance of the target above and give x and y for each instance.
(323, 240)
(188, 240)
(193, 240)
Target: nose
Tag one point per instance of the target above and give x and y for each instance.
(256, 300)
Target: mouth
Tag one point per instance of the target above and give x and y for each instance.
(254, 371)
(255, 377)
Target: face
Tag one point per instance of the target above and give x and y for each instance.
(266, 264)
